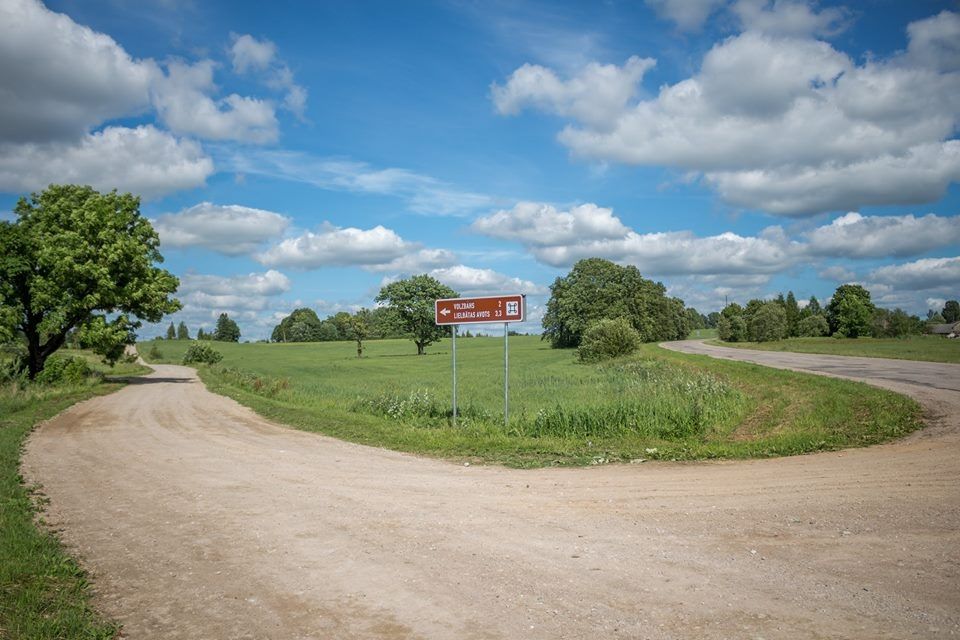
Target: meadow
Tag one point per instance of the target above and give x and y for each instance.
(653, 405)
(927, 348)
(43, 592)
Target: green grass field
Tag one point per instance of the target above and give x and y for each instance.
(657, 404)
(43, 592)
(928, 348)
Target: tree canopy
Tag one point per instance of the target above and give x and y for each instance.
(226, 330)
(951, 311)
(850, 311)
(78, 259)
(596, 289)
(302, 325)
(411, 301)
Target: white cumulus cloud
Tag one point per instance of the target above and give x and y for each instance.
(249, 53)
(232, 230)
(789, 17)
(340, 246)
(536, 223)
(470, 281)
(183, 101)
(595, 96)
(688, 14)
(927, 273)
(560, 238)
(857, 236)
(144, 161)
(775, 119)
(58, 79)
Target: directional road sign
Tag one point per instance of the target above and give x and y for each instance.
(508, 308)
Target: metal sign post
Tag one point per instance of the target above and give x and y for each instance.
(482, 310)
(454, 375)
(506, 375)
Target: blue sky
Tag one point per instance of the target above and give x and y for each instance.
(303, 154)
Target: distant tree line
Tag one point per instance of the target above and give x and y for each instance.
(227, 330)
(407, 311)
(850, 314)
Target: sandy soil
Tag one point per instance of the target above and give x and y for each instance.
(199, 519)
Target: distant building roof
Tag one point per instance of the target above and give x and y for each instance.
(945, 329)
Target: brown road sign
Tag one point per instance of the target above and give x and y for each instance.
(508, 308)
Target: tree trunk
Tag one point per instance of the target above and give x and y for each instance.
(420, 346)
(35, 357)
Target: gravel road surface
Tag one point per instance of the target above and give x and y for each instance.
(200, 519)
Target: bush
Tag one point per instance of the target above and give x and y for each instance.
(768, 323)
(732, 329)
(813, 327)
(201, 353)
(154, 354)
(13, 363)
(65, 370)
(608, 338)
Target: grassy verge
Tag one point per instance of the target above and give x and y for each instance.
(926, 348)
(43, 592)
(657, 404)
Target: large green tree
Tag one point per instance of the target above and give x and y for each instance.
(183, 333)
(951, 311)
(302, 325)
(75, 258)
(850, 311)
(226, 330)
(596, 289)
(412, 303)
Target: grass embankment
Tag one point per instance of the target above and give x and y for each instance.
(657, 404)
(926, 348)
(43, 592)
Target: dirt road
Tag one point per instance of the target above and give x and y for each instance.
(199, 519)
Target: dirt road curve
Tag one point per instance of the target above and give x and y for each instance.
(199, 519)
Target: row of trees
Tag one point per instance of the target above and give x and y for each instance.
(226, 331)
(850, 314)
(407, 311)
(594, 290)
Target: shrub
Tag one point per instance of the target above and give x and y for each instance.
(813, 327)
(732, 329)
(154, 353)
(13, 363)
(608, 338)
(64, 370)
(201, 353)
(768, 323)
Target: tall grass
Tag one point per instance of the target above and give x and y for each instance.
(43, 592)
(654, 404)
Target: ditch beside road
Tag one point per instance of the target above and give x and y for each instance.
(200, 519)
